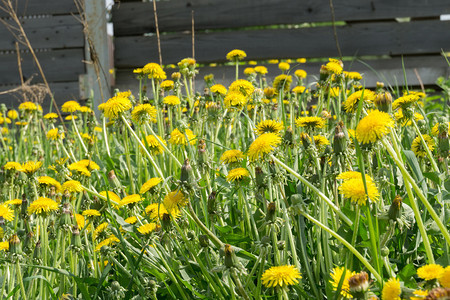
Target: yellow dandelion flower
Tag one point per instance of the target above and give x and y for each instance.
(178, 138)
(352, 75)
(351, 104)
(14, 202)
(391, 290)
(419, 295)
(4, 246)
(444, 279)
(91, 213)
(232, 156)
(273, 61)
(263, 145)
(261, 70)
(299, 90)
(70, 107)
(373, 126)
(42, 206)
(284, 66)
(300, 73)
(280, 276)
(6, 212)
(144, 113)
(3, 120)
(249, 71)
(150, 184)
(172, 100)
(336, 276)
(282, 82)
(430, 271)
(81, 222)
(154, 71)
(334, 66)
(237, 174)
(12, 165)
(219, 89)
(72, 186)
(115, 200)
(46, 180)
(50, 116)
(131, 220)
(175, 199)
(405, 101)
(130, 200)
(157, 210)
(89, 164)
(435, 128)
(153, 144)
(242, 86)
(147, 228)
(320, 141)
(418, 148)
(310, 122)
(31, 167)
(167, 85)
(12, 114)
(28, 106)
(234, 99)
(70, 118)
(115, 106)
(112, 240)
(85, 109)
(53, 134)
(269, 126)
(236, 54)
(80, 169)
(100, 228)
(353, 188)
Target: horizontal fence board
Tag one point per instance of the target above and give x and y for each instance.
(63, 91)
(46, 32)
(388, 71)
(41, 7)
(58, 65)
(381, 38)
(135, 18)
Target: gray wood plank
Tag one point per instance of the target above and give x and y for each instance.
(46, 32)
(58, 65)
(42, 7)
(381, 38)
(63, 91)
(135, 18)
(389, 71)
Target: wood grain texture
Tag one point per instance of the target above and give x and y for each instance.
(46, 32)
(381, 38)
(58, 65)
(389, 71)
(63, 91)
(42, 7)
(136, 18)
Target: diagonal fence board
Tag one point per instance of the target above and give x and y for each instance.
(58, 65)
(429, 68)
(136, 18)
(380, 38)
(46, 32)
(41, 7)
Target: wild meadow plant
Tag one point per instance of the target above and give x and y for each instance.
(262, 190)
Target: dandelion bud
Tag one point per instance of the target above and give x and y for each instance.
(323, 73)
(111, 175)
(206, 92)
(269, 92)
(212, 203)
(37, 253)
(66, 216)
(443, 142)
(14, 244)
(203, 240)
(281, 245)
(383, 101)
(76, 239)
(176, 76)
(201, 146)
(396, 208)
(24, 206)
(358, 284)
(305, 139)
(340, 140)
(185, 171)
(229, 256)
(271, 210)
(165, 221)
(288, 138)
(259, 177)
(29, 241)
(380, 85)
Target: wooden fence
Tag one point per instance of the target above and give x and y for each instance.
(365, 29)
(58, 40)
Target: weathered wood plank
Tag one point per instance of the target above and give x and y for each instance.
(63, 91)
(389, 71)
(58, 65)
(135, 18)
(381, 38)
(42, 7)
(46, 32)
